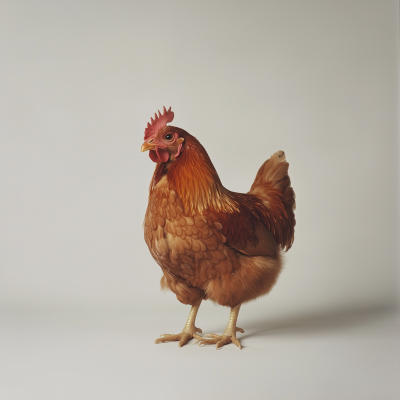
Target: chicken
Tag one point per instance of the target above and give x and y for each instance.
(211, 243)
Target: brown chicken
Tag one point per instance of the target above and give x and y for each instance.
(211, 243)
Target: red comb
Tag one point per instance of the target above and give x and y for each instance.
(159, 122)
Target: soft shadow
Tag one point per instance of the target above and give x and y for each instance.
(321, 321)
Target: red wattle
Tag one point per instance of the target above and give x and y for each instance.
(163, 155)
(159, 155)
(153, 156)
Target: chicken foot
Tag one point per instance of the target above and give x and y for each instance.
(229, 334)
(188, 332)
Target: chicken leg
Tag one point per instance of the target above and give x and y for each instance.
(188, 332)
(229, 334)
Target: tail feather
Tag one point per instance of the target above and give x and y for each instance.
(272, 186)
(274, 169)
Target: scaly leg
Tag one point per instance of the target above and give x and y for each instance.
(230, 332)
(188, 332)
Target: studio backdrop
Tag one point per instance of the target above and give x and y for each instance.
(79, 82)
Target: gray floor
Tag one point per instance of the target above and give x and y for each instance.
(58, 355)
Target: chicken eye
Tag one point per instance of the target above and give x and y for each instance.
(168, 137)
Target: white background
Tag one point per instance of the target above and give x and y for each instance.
(79, 80)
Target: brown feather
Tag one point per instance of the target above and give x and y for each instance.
(212, 243)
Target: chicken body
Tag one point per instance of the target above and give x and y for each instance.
(195, 257)
(211, 243)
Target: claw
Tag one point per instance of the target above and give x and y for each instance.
(224, 340)
(185, 338)
(220, 341)
(182, 337)
(237, 342)
(167, 338)
(203, 342)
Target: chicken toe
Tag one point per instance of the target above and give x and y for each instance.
(220, 340)
(229, 336)
(182, 337)
(189, 331)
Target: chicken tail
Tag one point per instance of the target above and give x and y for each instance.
(272, 186)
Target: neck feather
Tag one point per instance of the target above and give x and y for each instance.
(196, 181)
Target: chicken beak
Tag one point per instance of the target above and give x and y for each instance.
(147, 146)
